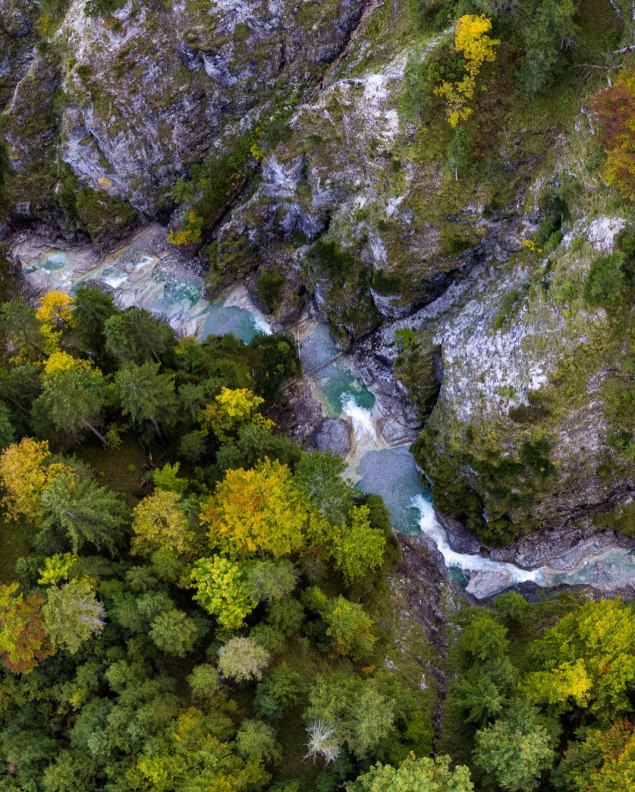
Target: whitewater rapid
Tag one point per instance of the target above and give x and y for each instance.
(148, 273)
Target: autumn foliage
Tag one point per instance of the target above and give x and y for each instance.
(256, 510)
(615, 108)
(23, 642)
(25, 474)
(471, 39)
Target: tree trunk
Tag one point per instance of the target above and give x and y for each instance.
(97, 434)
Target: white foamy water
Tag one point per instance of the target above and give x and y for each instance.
(509, 574)
(139, 277)
(361, 419)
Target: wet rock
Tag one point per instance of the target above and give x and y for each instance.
(333, 434)
(561, 549)
(459, 538)
(486, 582)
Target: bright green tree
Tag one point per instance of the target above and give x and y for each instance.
(358, 548)
(349, 627)
(222, 590)
(415, 775)
(516, 749)
(73, 614)
(588, 662)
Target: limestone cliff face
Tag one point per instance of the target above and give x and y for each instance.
(145, 91)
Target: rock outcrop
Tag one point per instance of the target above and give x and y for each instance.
(128, 100)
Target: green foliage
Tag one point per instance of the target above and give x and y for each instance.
(204, 682)
(516, 749)
(222, 589)
(137, 336)
(91, 309)
(484, 638)
(278, 692)
(348, 626)
(270, 286)
(548, 28)
(347, 711)
(145, 394)
(72, 614)
(174, 632)
(319, 476)
(358, 548)
(422, 774)
(80, 512)
(458, 155)
(605, 283)
(588, 662)
(257, 740)
(72, 401)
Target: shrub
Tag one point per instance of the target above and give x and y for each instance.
(605, 282)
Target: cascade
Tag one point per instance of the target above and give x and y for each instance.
(144, 273)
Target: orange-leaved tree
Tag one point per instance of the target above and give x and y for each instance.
(23, 640)
(615, 108)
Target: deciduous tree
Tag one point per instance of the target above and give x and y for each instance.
(159, 522)
(588, 661)
(73, 614)
(25, 472)
(232, 409)
(421, 774)
(222, 589)
(471, 39)
(242, 660)
(358, 548)
(256, 510)
(23, 639)
(515, 749)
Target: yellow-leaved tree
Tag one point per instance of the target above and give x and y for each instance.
(25, 472)
(231, 409)
(471, 39)
(159, 523)
(256, 510)
(54, 315)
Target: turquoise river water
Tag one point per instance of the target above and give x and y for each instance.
(138, 276)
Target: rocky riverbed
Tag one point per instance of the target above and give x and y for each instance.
(348, 401)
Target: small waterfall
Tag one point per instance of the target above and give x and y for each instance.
(499, 574)
(142, 273)
(364, 428)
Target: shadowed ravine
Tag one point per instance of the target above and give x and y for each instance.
(148, 273)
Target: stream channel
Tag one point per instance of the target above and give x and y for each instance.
(153, 276)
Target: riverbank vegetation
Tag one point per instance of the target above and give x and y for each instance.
(197, 603)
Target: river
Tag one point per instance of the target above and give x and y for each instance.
(148, 273)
